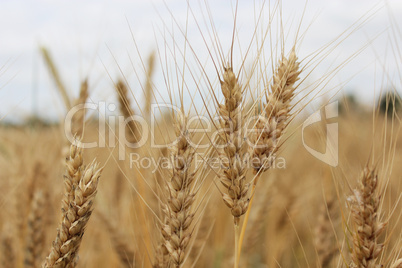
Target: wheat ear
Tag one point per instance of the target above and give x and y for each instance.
(324, 236)
(272, 122)
(274, 119)
(36, 231)
(181, 196)
(78, 120)
(80, 190)
(367, 227)
(233, 174)
(233, 155)
(56, 77)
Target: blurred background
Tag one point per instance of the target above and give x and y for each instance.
(102, 40)
(351, 51)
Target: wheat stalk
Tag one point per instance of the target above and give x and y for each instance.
(367, 227)
(80, 190)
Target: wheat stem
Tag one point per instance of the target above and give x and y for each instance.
(246, 217)
(237, 252)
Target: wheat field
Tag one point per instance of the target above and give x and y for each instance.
(219, 163)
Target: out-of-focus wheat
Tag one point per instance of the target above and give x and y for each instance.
(324, 236)
(397, 264)
(36, 231)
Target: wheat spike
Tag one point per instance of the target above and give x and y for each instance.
(367, 227)
(178, 210)
(324, 238)
(273, 120)
(78, 119)
(80, 190)
(56, 76)
(132, 133)
(233, 173)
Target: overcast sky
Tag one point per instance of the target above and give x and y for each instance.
(94, 39)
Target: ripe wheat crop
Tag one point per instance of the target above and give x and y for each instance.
(208, 170)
